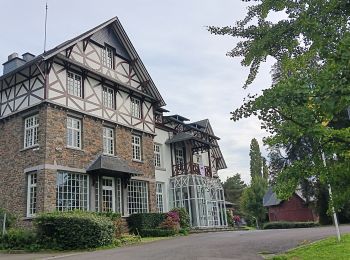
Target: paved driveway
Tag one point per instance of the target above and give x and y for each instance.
(220, 245)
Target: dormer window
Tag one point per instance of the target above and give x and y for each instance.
(108, 57)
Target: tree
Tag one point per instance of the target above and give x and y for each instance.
(252, 200)
(311, 46)
(255, 159)
(265, 169)
(233, 187)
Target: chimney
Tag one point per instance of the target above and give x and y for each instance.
(13, 63)
(28, 56)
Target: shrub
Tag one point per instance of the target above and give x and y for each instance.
(116, 218)
(10, 218)
(141, 221)
(170, 224)
(286, 225)
(157, 232)
(229, 218)
(74, 230)
(184, 217)
(19, 239)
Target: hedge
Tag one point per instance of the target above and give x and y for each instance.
(156, 232)
(286, 225)
(74, 230)
(19, 239)
(140, 221)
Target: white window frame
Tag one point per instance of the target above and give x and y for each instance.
(160, 197)
(32, 180)
(137, 197)
(31, 129)
(179, 157)
(157, 155)
(108, 57)
(136, 148)
(108, 140)
(71, 193)
(74, 133)
(135, 107)
(108, 97)
(108, 188)
(74, 84)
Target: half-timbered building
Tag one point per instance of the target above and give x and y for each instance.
(82, 127)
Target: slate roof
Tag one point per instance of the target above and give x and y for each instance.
(116, 25)
(184, 137)
(111, 164)
(270, 198)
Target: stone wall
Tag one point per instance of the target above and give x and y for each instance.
(14, 159)
(52, 150)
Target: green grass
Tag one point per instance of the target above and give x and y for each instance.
(324, 249)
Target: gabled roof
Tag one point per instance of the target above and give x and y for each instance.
(270, 198)
(216, 150)
(119, 30)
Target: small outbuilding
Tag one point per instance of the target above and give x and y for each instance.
(295, 209)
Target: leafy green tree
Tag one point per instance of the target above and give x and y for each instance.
(252, 200)
(311, 45)
(265, 169)
(255, 159)
(233, 187)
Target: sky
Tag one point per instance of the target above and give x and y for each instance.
(188, 65)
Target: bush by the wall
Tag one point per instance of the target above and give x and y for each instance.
(286, 225)
(184, 217)
(19, 239)
(74, 230)
(157, 232)
(10, 218)
(140, 221)
(229, 217)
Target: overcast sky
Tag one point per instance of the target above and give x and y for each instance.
(187, 64)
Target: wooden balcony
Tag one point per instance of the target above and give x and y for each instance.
(188, 168)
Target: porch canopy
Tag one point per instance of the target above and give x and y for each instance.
(112, 166)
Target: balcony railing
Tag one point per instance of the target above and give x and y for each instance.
(188, 168)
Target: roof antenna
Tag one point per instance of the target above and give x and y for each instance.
(45, 27)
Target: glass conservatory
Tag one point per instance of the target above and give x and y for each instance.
(203, 198)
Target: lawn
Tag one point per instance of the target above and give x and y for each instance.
(324, 249)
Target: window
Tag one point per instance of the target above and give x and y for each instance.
(157, 155)
(71, 191)
(135, 107)
(74, 84)
(137, 197)
(108, 97)
(160, 199)
(31, 126)
(108, 140)
(73, 133)
(107, 195)
(107, 57)
(31, 194)
(136, 148)
(179, 156)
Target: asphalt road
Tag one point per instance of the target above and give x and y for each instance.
(219, 245)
